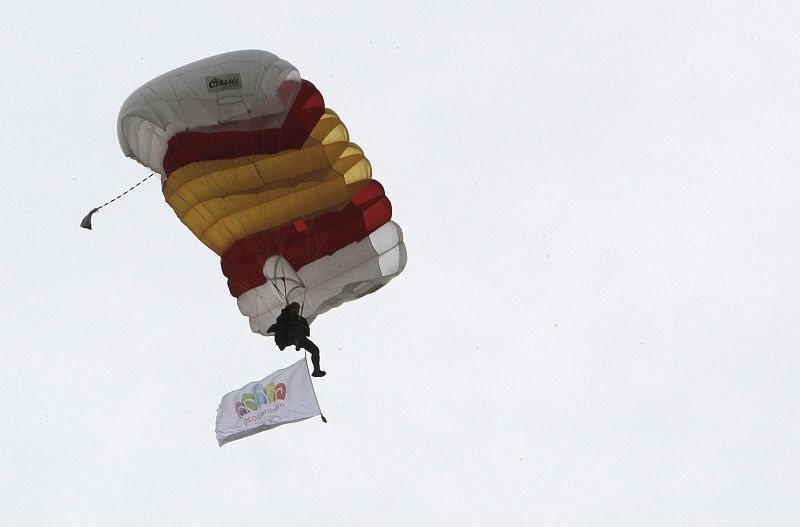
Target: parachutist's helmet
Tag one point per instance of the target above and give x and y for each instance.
(294, 307)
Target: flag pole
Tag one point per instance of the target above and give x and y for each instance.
(312, 387)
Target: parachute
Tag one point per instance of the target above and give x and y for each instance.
(265, 176)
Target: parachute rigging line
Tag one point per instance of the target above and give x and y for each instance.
(86, 223)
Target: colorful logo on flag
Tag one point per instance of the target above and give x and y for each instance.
(259, 396)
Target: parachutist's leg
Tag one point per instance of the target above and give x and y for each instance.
(314, 351)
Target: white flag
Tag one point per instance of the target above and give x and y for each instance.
(285, 396)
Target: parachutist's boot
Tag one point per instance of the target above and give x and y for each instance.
(315, 362)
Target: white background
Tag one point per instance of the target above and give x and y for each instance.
(597, 324)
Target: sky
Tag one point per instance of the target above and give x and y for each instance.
(597, 324)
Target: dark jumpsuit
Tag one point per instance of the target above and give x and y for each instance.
(291, 328)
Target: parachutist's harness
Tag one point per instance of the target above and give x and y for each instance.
(291, 328)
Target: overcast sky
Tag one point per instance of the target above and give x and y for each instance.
(598, 323)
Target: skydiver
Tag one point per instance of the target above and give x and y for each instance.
(291, 328)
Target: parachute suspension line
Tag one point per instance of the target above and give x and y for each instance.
(317, 243)
(283, 276)
(281, 294)
(86, 223)
(316, 255)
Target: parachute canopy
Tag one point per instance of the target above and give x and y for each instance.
(263, 174)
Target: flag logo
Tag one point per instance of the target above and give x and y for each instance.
(259, 396)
